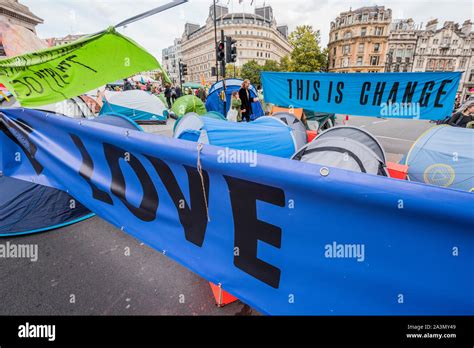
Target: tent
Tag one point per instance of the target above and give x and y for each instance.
(27, 208)
(186, 104)
(443, 156)
(74, 107)
(214, 102)
(299, 129)
(275, 139)
(345, 147)
(140, 106)
(211, 114)
(192, 85)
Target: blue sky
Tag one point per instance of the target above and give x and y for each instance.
(64, 17)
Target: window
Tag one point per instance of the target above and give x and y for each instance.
(365, 17)
(346, 49)
(334, 50)
(345, 62)
(361, 48)
(376, 47)
(374, 60)
(363, 31)
(435, 41)
(336, 36)
(359, 60)
(423, 41)
(378, 31)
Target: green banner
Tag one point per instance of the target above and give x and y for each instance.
(66, 71)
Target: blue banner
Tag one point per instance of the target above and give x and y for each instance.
(274, 232)
(428, 96)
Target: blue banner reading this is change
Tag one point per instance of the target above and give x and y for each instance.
(428, 96)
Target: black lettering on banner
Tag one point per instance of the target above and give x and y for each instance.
(329, 91)
(149, 204)
(339, 96)
(378, 93)
(299, 89)
(426, 93)
(194, 219)
(364, 98)
(24, 84)
(22, 131)
(249, 230)
(316, 85)
(290, 88)
(307, 89)
(392, 96)
(87, 169)
(441, 92)
(39, 88)
(409, 92)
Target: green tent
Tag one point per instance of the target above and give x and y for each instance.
(188, 103)
(192, 85)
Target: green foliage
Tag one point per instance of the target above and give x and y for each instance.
(251, 70)
(307, 55)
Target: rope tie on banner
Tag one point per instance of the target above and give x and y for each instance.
(199, 168)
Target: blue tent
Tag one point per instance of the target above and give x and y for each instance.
(215, 103)
(138, 105)
(275, 139)
(443, 156)
(27, 208)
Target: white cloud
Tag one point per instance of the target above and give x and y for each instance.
(64, 17)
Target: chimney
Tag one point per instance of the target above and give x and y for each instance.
(432, 25)
(466, 27)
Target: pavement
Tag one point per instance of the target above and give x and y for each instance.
(93, 268)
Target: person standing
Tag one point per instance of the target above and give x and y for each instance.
(127, 86)
(245, 97)
(168, 95)
(463, 117)
(178, 92)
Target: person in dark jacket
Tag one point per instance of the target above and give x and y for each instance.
(463, 117)
(127, 86)
(168, 95)
(246, 98)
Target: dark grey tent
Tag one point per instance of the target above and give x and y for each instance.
(299, 129)
(349, 148)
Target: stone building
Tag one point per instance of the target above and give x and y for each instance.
(13, 12)
(358, 40)
(449, 48)
(402, 41)
(258, 38)
(170, 60)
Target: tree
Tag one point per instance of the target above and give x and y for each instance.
(251, 70)
(229, 71)
(285, 63)
(307, 55)
(271, 65)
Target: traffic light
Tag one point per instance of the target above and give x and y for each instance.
(231, 50)
(184, 69)
(220, 51)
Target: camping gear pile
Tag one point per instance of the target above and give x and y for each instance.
(443, 156)
(140, 106)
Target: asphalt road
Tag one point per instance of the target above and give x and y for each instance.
(89, 262)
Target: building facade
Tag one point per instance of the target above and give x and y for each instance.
(11, 11)
(258, 38)
(170, 60)
(56, 41)
(402, 42)
(449, 48)
(358, 40)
